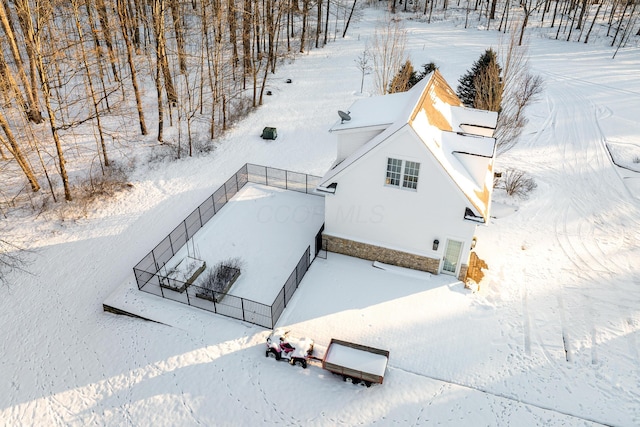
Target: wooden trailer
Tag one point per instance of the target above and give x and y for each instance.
(355, 362)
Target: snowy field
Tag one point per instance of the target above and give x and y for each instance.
(551, 338)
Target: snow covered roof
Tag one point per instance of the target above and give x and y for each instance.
(378, 111)
(436, 116)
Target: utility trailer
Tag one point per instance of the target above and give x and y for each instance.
(355, 362)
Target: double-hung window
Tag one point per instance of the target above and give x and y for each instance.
(394, 169)
(402, 173)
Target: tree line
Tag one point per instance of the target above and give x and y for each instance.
(75, 70)
(65, 64)
(571, 20)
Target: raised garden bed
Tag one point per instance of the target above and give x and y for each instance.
(217, 283)
(183, 274)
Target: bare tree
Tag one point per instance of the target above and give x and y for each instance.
(326, 22)
(43, 16)
(346, 26)
(363, 64)
(14, 148)
(401, 82)
(107, 37)
(318, 22)
(247, 21)
(586, 38)
(489, 87)
(122, 16)
(32, 110)
(158, 12)
(12, 258)
(521, 88)
(388, 47)
(233, 31)
(89, 79)
(305, 16)
(528, 6)
(10, 86)
(178, 29)
(93, 31)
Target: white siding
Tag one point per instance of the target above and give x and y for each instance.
(364, 209)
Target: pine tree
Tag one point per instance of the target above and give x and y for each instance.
(426, 70)
(467, 83)
(407, 77)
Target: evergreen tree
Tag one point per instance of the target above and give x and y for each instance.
(468, 82)
(407, 77)
(426, 70)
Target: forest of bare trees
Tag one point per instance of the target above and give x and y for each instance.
(74, 74)
(570, 20)
(75, 71)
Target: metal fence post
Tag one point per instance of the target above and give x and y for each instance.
(155, 262)
(186, 230)
(136, 274)
(286, 180)
(242, 306)
(306, 183)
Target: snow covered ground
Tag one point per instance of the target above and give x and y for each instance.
(551, 338)
(267, 229)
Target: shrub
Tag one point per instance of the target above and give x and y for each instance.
(112, 180)
(218, 277)
(517, 183)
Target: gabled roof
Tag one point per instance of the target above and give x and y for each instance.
(433, 112)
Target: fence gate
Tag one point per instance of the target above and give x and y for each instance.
(319, 241)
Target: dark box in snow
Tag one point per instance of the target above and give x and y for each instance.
(269, 133)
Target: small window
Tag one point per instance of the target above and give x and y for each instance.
(394, 166)
(402, 173)
(410, 179)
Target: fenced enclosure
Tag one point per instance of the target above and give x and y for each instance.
(149, 271)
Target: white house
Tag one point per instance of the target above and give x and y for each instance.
(412, 179)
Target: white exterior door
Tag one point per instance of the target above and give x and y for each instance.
(451, 257)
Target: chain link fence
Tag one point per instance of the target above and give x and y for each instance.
(148, 271)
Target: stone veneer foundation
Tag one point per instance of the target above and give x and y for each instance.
(384, 255)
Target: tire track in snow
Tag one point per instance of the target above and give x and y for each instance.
(526, 321)
(566, 342)
(587, 231)
(564, 77)
(449, 383)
